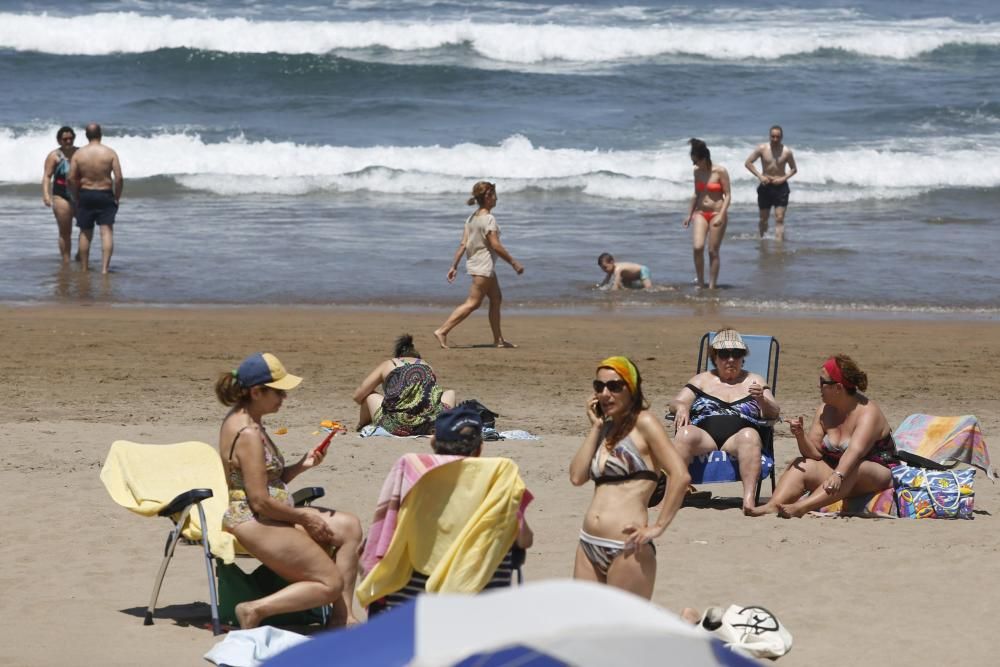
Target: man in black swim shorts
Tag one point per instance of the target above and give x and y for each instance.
(96, 207)
(95, 174)
(775, 159)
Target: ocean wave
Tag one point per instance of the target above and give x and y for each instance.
(518, 43)
(893, 170)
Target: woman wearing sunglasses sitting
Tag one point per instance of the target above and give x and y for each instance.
(314, 549)
(723, 408)
(848, 450)
(625, 454)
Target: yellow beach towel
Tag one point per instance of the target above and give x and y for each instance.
(145, 478)
(456, 525)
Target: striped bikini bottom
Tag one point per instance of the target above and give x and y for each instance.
(601, 551)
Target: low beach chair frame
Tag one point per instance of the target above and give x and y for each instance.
(757, 344)
(178, 511)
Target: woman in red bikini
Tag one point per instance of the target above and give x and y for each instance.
(708, 211)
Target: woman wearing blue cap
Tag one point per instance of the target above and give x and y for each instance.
(295, 542)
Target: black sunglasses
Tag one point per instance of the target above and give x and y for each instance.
(614, 386)
(67, 137)
(730, 354)
(823, 382)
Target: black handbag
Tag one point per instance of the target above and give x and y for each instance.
(488, 417)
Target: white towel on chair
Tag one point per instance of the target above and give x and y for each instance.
(250, 648)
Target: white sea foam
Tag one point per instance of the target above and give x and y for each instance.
(879, 309)
(737, 37)
(892, 170)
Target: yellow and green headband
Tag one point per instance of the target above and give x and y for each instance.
(625, 369)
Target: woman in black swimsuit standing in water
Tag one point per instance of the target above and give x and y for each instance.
(56, 190)
(723, 408)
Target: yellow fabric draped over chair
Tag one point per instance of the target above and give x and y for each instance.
(455, 525)
(145, 478)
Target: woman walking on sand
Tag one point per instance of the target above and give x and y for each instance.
(481, 246)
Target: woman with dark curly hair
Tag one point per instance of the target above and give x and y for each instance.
(848, 451)
(625, 453)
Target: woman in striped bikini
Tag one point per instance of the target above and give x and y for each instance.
(625, 453)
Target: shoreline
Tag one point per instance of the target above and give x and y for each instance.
(628, 310)
(79, 378)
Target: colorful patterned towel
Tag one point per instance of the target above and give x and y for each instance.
(406, 472)
(871, 506)
(946, 440)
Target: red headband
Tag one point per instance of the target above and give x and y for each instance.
(836, 374)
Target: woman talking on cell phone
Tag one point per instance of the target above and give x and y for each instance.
(625, 453)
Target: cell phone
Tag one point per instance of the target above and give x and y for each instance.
(597, 410)
(323, 446)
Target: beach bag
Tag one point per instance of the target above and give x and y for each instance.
(488, 417)
(752, 631)
(934, 494)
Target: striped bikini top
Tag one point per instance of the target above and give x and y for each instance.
(624, 462)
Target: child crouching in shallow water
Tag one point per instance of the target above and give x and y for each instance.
(623, 274)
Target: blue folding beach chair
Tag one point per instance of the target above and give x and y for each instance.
(719, 466)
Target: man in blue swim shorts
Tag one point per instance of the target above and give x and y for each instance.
(623, 274)
(95, 174)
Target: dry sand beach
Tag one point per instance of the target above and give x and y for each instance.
(77, 569)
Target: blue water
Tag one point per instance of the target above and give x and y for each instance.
(293, 153)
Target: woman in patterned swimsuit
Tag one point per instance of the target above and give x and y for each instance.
(848, 451)
(412, 397)
(722, 409)
(623, 454)
(56, 191)
(294, 542)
